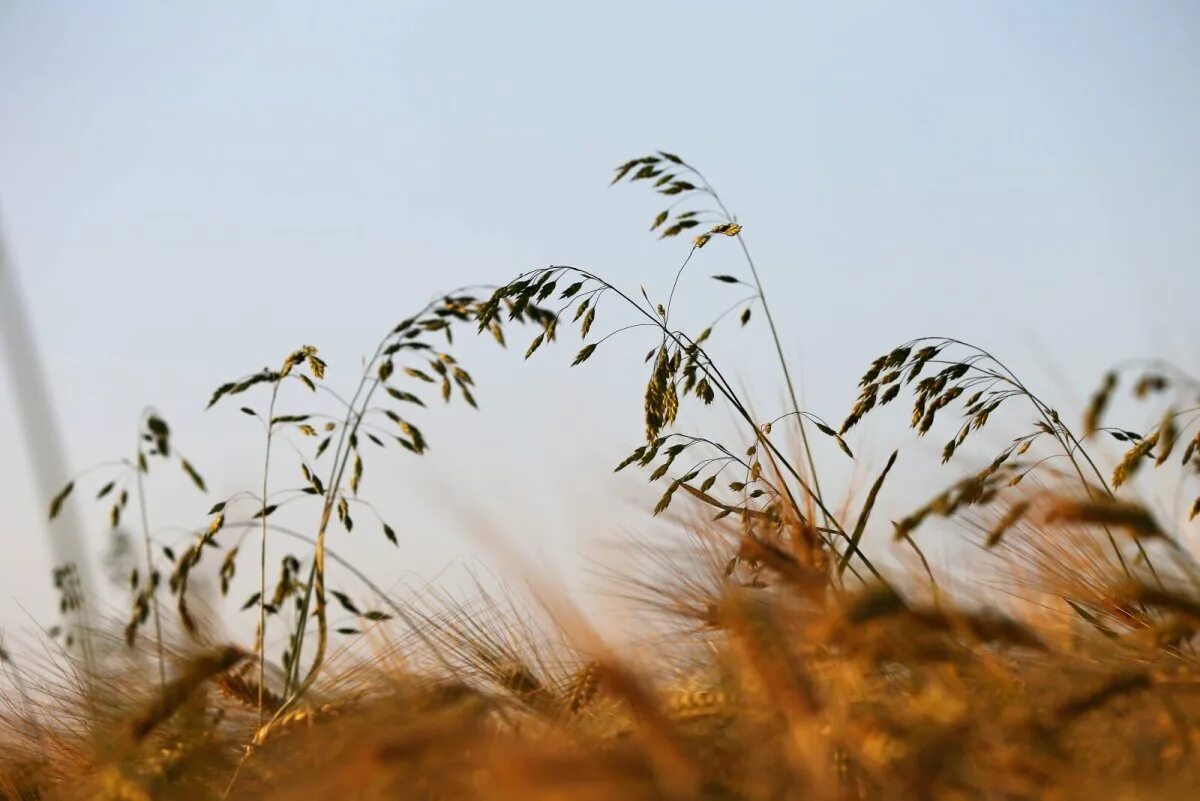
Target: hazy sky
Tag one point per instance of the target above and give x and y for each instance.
(189, 191)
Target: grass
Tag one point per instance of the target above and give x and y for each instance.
(778, 656)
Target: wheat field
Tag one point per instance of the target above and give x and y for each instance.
(793, 644)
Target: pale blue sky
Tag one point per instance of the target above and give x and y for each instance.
(191, 190)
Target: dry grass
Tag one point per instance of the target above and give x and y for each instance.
(775, 659)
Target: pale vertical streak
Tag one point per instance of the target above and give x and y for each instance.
(43, 440)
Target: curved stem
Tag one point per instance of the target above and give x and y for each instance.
(316, 576)
(762, 295)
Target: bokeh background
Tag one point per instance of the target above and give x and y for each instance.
(190, 191)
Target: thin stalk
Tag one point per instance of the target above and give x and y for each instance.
(262, 555)
(331, 487)
(787, 377)
(150, 575)
(762, 295)
(318, 569)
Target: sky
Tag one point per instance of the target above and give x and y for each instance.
(190, 191)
